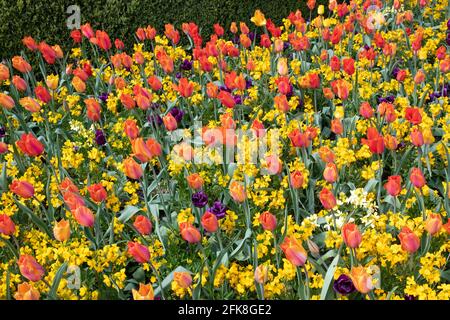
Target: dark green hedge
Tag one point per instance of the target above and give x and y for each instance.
(46, 19)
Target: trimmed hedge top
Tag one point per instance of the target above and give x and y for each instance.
(46, 20)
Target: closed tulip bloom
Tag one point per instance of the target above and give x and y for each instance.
(326, 154)
(19, 83)
(394, 185)
(297, 179)
(237, 192)
(78, 84)
(103, 40)
(416, 177)
(22, 188)
(73, 200)
(390, 142)
(30, 104)
(4, 72)
(61, 230)
(145, 292)
(184, 88)
(127, 101)
(20, 64)
(183, 279)
(143, 225)
(282, 67)
(337, 126)
(261, 273)
(52, 82)
(189, 233)
(131, 129)
(6, 101)
(170, 122)
(7, 226)
(281, 103)
(132, 169)
(348, 65)
(361, 279)
(351, 235)
(154, 147)
(374, 141)
(26, 291)
(30, 268)
(195, 181)
(68, 185)
(29, 145)
(294, 251)
(209, 222)
(365, 110)
(139, 252)
(409, 240)
(49, 53)
(327, 199)
(417, 137)
(3, 147)
(268, 221)
(93, 109)
(84, 216)
(433, 224)
(97, 192)
(226, 99)
(141, 150)
(330, 173)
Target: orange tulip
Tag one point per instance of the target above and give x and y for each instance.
(327, 199)
(103, 40)
(394, 185)
(261, 273)
(209, 222)
(143, 225)
(97, 192)
(141, 150)
(22, 188)
(297, 179)
(131, 129)
(73, 200)
(170, 122)
(6, 101)
(20, 64)
(361, 279)
(299, 139)
(30, 268)
(226, 99)
(132, 169)
(127, 101)
(447, 226)
(145, 292)
(30, 104)
(19, 83)
(29, 145)
(330, 173)
(340, 88)
(416, 177)
(294, 251)
(268, 221)
(61, 230)
(84, 216)
(433, 224)
(183, 279)
(195, 181)
(7, 226)
(337, 126)
(48, 53)
(87, 31)
(326, 154)
(26, 291)
(417, 137)
(139, 252)
(93, 109)
(351, 235)
(409, 240)
(4, 72)
(237, 192)
(78, 84)
(189, 233)
(68, 185)
(3, 147)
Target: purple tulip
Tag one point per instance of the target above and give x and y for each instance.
(218, 209)
(100, 138)
(344, 285)
(200, 199)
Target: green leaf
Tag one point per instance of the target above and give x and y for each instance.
(58, 276)
(128, 213)
(36, 220)
(168, 280)
(329, 276)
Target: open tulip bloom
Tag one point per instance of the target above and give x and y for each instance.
(306, 158)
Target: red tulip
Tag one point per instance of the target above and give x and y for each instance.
(139, 252)
(97, 192)
(268, 221)
(209, 222)
(351, 235)
(409, 240)
(30, 268)
(327, 199)
(143, 225)
(394, 185)
(416, 177)
(7, 226)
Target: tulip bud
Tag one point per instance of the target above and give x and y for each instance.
(195, 181)
(145, 292)
(409, 240)
(416, 177)
(313, 248)
(132, 169)
(351, 235)
(22, 188)
(330, 173)
(139, 252)
(189, 233)
(297, 179)
(183, 279)
(209, 222)
(7, 226)
(143, 225)
(61, 230)
(433, 224)
(294, 251)
(84, 216)
(30, 268)
(237, 192)
(97, 192)
(327, 199)
(268, 221)
(261, 273)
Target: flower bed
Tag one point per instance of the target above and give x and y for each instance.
(302, 161)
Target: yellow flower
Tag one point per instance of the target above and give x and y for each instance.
(259, 19)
